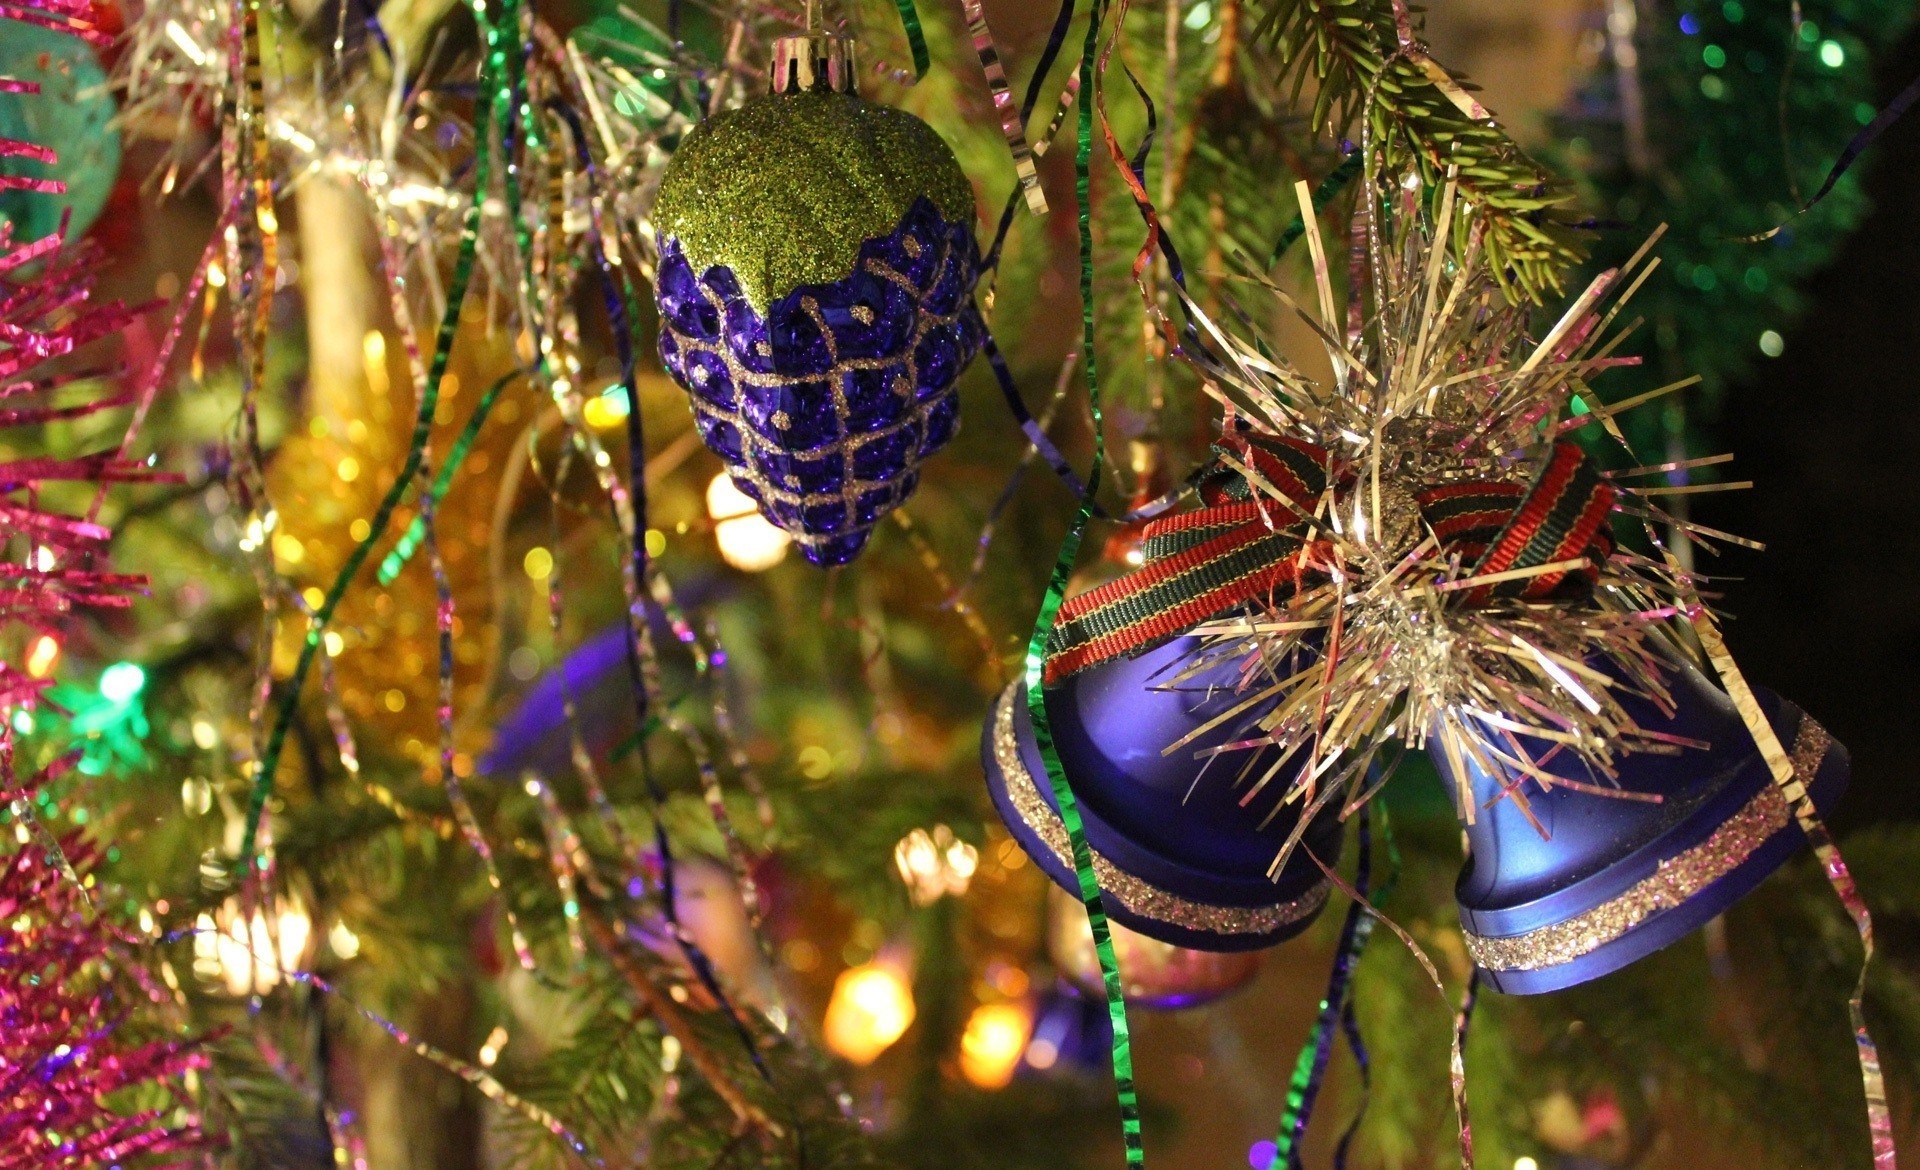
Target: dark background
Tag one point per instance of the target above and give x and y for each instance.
(1829, 615)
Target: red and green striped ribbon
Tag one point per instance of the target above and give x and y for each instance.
(1043, 624)
(1236, 551)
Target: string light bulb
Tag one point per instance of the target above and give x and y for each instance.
(122, 681)
(251, 955)
(748, 541)
(871, 1007)
(934, 865)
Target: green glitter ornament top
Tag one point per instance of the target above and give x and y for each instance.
(785, 189)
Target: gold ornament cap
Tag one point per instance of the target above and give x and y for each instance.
(814, 62)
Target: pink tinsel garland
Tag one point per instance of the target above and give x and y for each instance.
(75, 1088)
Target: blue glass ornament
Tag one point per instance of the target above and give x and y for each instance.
(72, 115)
(1179, 857)
(1578, 884)
(817, 264)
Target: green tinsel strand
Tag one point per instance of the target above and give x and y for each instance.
(409, 541)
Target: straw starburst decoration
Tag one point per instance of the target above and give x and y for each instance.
(1453, 583)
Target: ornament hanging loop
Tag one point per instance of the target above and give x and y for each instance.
(814, 62)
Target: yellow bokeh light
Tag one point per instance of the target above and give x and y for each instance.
(748, 541)
(45, 653)
(604, 412)
(538, 563)
(250, 955)
(289, 548)
(991, 1046)
(872, 1007)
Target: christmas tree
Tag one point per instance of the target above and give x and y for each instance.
(484, 779)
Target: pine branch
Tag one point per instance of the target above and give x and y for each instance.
(747, 1115)
(1349, 50)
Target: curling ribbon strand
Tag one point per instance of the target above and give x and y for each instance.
(1043, 624)
(1873, 1080)
(489, 1086)
(1310, 1069)
(1012, 121)
(1856, 146)
(409, 541)
(493, 70)
(1056, 37)
(1456, 1063)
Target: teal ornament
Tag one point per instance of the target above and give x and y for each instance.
(72, 115)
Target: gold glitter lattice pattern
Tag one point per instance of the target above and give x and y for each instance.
(829, 474)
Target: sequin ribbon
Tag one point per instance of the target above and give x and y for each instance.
(496, 80)
(1088, 882)
(1309, 1071)
(916, 38)
(1254, 538)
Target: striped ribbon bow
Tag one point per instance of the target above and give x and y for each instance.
(1253, 539)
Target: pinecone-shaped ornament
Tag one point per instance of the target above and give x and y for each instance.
(817, 264)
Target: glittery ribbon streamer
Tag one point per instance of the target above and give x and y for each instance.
(1350, 1027)
(1011, 487)
(630, 511)
(489, 1086)
(1856, 146)
(1012, 123)
(1309, 1070)
(916, 37)
(156, 371)
(494, 72)
(583, 764)
(1794, 789)
(1457, 1064)
(409, 541)
(77, 19)
(1056, 37)
(943, 584)
(565, 854)
(463, 813)
(1038, 441)
(1089, 882)
(22, 809)
(1133, 173)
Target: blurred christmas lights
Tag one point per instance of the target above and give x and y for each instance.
(993, 1043)
(934, 865)
(748, 541)
(871, 1007)
(252, 955)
